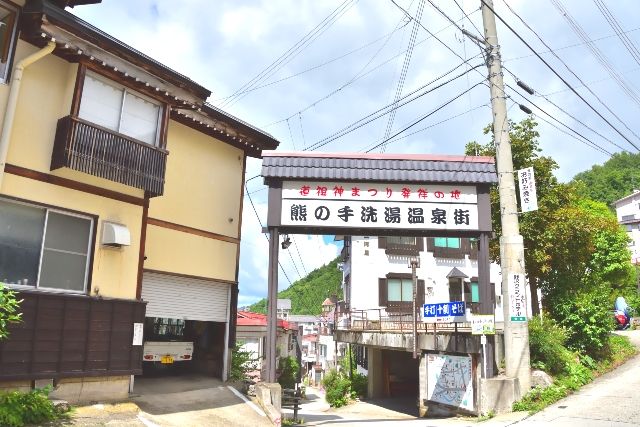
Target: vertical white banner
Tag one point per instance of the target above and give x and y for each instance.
(528, 196)
(517, 298)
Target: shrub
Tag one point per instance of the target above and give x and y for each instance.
(547, 345)
(587, 318)
(242, 362)
(359, 384)
(539, 398)
(337, 388)
(9, 306)
(18, 408)
(288, 367)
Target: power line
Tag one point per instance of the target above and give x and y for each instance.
(315, 67)
(287, 56)
(360, 73)
(384, 110)
(404, 71)
(426, 115)
(613, 22)
(559, 76)
(569, 45)
(467, 16)
(567, 113)
(584, 139)
(597, 53)
(367, 149)
(260, 222)
(295, 243)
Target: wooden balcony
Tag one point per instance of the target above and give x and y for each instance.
(89, 148)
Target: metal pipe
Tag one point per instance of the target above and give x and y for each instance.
(12, 102)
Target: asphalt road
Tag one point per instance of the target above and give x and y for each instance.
(613, 400)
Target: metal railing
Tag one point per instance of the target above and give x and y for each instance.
(378, 319)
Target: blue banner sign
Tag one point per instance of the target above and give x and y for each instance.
(444, 312)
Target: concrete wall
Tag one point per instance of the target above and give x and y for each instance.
(92, 389)
(375, 384)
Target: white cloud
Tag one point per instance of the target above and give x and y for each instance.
(223, 44)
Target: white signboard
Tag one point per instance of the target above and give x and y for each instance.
(449, 380)
(138, 329)
(379, 205)
(517, 298)
(528, 196)
(483, 324)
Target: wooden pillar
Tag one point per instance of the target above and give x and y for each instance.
(272, 305)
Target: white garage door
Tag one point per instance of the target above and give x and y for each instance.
(184, 298)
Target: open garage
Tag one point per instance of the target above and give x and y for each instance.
(186, 325)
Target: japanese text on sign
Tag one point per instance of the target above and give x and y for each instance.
(379, 205)
(527, 184)
(517, 298)
(483, 324)
(444, 312)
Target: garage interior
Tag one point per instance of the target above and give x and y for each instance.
(400, 382)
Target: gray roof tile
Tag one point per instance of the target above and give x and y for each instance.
(379, 167)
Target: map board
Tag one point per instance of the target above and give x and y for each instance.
(449, 380)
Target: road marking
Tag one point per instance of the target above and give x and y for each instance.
(146, 422)
(247, 401)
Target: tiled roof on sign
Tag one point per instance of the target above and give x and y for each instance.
(379, 167)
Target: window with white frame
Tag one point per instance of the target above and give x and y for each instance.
(120, 109)
(8, 25)
(44, 248)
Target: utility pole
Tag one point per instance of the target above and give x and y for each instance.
(415, 263)
(516, 333)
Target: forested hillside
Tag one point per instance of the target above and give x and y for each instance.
(308, 293)
(616, 178)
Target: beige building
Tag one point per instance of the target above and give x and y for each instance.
(120, 205)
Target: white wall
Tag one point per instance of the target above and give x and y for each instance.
(367, 263)
(625, 208)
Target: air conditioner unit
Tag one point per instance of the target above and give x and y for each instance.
(115, 235)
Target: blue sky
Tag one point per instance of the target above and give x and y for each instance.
(353, 67)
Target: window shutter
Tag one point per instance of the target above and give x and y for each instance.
(420, 293)
(430, 244)
(382, 292)
(382, 242)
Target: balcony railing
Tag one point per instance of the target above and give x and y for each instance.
(380, 320)
(101, 152)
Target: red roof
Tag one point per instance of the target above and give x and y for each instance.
(248, 318)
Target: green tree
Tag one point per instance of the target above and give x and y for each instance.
(616, 178)
(308, 293)
(526, 152)
(9, 306)
(572, 245)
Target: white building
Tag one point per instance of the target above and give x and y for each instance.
(628, 213)
(377, 275)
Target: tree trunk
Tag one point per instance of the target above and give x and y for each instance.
(533, 288)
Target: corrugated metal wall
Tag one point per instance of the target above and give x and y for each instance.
(185, 298)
